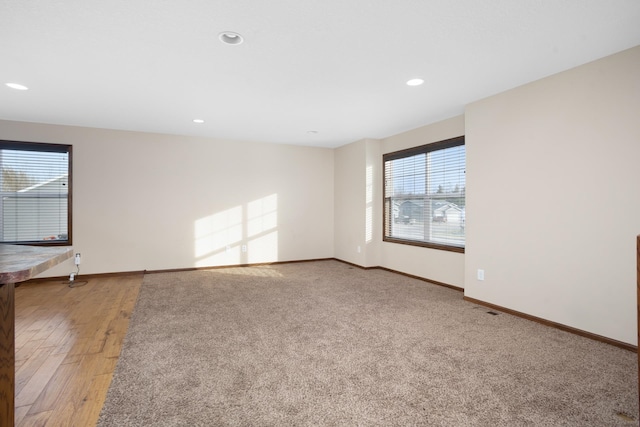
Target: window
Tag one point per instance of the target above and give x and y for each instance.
(35, 207)
(424, 195)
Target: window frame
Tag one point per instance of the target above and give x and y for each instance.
(388, 213)
(51, 148)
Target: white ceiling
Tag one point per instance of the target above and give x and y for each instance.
(337, 67)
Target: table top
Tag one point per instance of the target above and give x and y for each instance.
(19, 263)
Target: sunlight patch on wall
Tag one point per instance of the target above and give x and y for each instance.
(243, 234)
(263, 248)
(368, 232)
(218, 237)
(262, 215)
(369, 224)
(262, 230)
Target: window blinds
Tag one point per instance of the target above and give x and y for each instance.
(35, 189)
(425, 194)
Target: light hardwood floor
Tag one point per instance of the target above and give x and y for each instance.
(67, 344)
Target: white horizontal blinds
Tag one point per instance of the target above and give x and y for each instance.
(407, 178)
(447, 188)
(425, 194)
(35, 193)
(408, 175)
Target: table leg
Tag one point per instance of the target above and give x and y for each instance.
(7, 354)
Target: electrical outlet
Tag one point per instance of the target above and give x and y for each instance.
(359, 249)
(480, 274)
(244, 248)
(77, 259)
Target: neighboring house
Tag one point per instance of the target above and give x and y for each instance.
(448, 212)
(44, 204)
(409, 211)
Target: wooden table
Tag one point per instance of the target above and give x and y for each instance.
(17, 264)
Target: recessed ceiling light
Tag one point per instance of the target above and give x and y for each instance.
(198, 121)
(415, 82)
(229, 37)
(17, 86)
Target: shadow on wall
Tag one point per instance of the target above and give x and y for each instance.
(244, 234)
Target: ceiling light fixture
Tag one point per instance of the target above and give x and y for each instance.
(17, 86)
(415, 82)
(199, 121)
(229, 37)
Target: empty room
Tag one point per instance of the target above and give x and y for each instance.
(351, 213)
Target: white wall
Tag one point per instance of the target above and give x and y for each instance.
(350, 196)
(553, 205)
(373, 202)
(358, 201)
(149, 202)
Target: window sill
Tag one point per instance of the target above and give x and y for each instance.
(457, 249)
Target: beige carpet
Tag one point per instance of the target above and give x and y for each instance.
(323, 343)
